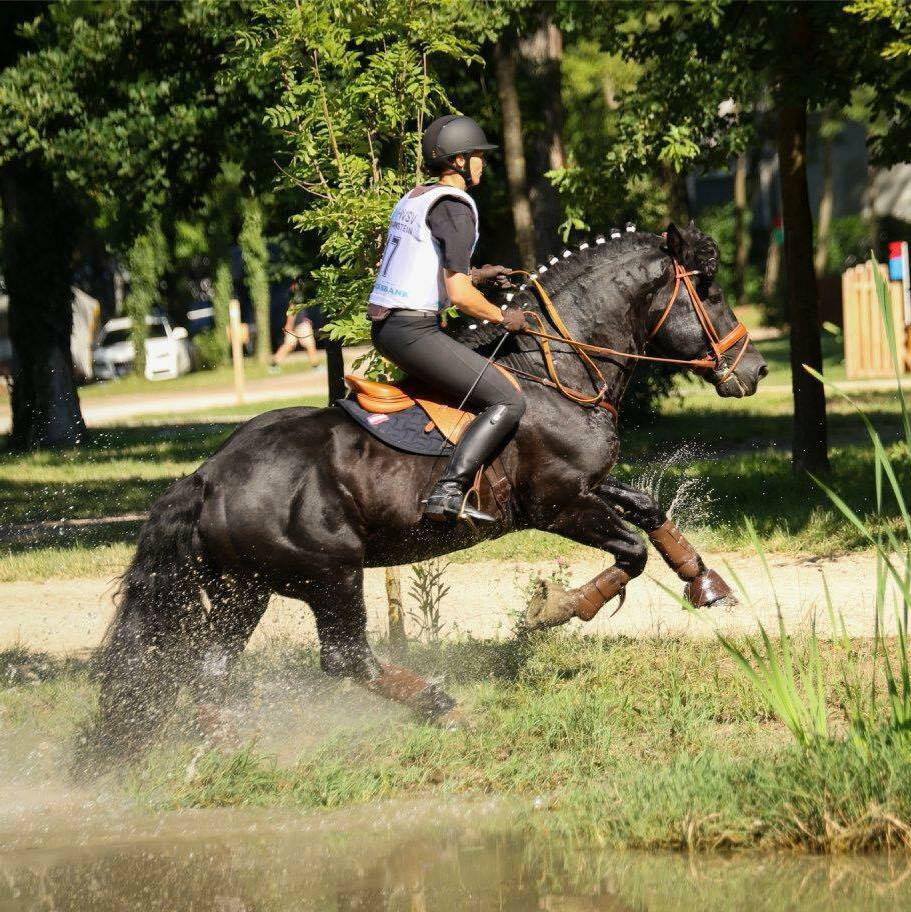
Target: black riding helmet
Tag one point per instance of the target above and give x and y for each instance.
(449, 136)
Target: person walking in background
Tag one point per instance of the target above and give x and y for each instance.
(298, 332)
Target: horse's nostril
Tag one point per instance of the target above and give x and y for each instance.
(763, 371)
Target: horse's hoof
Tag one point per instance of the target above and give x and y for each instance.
(454, 720)
(709, 590)
(549, 606)
(214, 728)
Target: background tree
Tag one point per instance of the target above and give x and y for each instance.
(357, 84)
(41, 223)
(541, 52)
(691, 104)
(147, 262)
(513, 141)
(255, 254)
(125, 103)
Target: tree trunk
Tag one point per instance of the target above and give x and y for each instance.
(826, 206)
(870, 203)
(542, 54)
(810, 431)
(222, 292)
(40, 229)
(514, 154)
(256, 261)
(678, 204)
(772, 267)
(147, 261)
(335, 367)
(741, 230)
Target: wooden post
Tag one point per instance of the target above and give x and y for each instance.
(237, 351)
(396, 617)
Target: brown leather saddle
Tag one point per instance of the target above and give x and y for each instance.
(386, 399)
(451, 422)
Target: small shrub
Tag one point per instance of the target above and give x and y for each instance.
(208, 349)
(428, 590)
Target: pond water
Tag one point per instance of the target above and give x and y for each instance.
(409, 857)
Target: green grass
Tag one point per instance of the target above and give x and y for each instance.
(777, 355)
(739, 449)
(650, 743)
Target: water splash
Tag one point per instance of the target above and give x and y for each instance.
(687, 499)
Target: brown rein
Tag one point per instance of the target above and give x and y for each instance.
(718, 344)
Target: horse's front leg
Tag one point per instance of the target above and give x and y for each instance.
(704, 588)
(589, 521)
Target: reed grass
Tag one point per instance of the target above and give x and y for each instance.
(795, 692)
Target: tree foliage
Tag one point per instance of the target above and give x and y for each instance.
(124, 99)
(357, 84)
(147, 261)
(255, 255)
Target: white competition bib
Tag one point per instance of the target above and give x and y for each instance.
(411, 271)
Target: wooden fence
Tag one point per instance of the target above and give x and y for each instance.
(867, 351)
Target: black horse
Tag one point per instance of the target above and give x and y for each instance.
(299, 500)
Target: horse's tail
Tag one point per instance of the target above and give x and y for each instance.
(159, 609)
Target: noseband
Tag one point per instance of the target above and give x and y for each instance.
(714, 359)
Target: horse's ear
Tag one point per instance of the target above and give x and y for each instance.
(676, 245)
(704, 252)
(692, 225)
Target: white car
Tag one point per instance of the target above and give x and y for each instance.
(168, 350)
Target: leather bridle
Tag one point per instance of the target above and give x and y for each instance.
(714, 359)
(719, 345)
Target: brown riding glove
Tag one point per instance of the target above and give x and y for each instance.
(490, 275)
(514, 320)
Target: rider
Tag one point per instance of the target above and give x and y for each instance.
(424, 270)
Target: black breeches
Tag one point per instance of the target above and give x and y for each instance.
(424, 351)
(421, 349)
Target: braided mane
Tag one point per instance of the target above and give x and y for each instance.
(555, 274)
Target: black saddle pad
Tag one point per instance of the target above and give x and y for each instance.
(402, 430)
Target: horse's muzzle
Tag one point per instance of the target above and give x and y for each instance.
(742, 382)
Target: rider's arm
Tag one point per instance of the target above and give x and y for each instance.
(452, 224)
(469, 300)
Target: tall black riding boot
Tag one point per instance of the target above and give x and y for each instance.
(484, 435)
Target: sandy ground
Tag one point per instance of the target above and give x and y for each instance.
(64, 616)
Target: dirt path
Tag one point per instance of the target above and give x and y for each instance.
(62, 616)
(116, 407)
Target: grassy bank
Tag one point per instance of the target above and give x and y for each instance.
(649, 743)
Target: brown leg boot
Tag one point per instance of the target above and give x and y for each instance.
(554, 605)
(704, 587)
(428, 701)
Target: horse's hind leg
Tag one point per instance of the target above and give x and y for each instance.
(236, 605)
(704, 587)
(341, 623)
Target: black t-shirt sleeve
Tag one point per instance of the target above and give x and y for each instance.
(451, 222)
